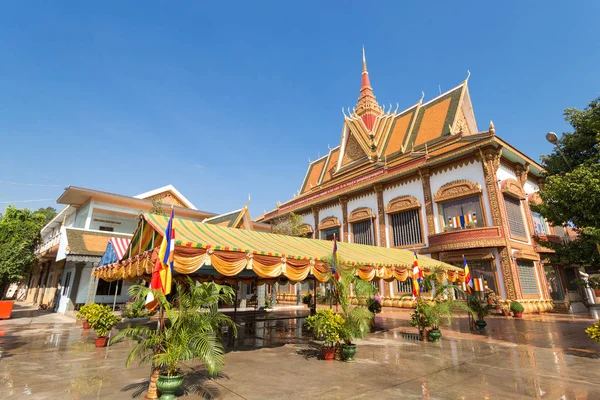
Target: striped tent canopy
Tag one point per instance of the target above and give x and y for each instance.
(115, 250)
(216, 252)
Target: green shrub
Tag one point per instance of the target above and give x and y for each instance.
(374, 305)
(594, 331)
(102, 319)
(85, 310)
(326, 325)
(516, 307)
(135, 309)
(307, 299)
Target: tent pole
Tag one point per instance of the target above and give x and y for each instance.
(313, 306)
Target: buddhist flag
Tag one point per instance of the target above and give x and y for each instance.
(417, 275)
(468, 277)
(335, 260)
(162, 274)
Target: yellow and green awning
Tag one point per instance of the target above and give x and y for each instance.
(205, 249)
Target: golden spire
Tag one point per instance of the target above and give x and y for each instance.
(367, 107)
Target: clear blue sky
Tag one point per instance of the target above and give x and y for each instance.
(226, 99)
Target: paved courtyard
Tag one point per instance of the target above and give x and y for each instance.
(49, 356)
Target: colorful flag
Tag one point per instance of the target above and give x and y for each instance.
(468, 277)
(162, 274)
(335, 260)
(417, 275)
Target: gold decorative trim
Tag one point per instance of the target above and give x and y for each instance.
(306, 228)
(361, 214)
(329, 222)
(402, 203)
(534, 198)
(457, 188)
(512, 188)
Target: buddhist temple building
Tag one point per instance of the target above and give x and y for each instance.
(427, 178)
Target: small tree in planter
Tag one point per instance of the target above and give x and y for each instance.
(505, 307)
(374, 304)
(438, 309)
(102, 319)
(480, 308)
(357, 319)
(83, 313)
(326, 326)
(193, 332)
(517, 309)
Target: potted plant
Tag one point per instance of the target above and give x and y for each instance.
(192, 332)
(357, 319)
(326, 326)
(505, 309)
(83, 312)
(436, 310)
(517, 309)
(307, 299)
(481, 308)
(102, 319)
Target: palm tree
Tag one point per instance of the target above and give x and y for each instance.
(191, 333)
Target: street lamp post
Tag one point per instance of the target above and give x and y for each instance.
(553, 138)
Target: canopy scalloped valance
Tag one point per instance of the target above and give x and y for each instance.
(247, 254)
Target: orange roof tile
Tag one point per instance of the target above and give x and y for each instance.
(331, 164)
(313, 175)
(432, 124)
(396, 137)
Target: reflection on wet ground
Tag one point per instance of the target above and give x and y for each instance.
(273, 357)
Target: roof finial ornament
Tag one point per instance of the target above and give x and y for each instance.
(345, 116)
(492, 129)
(248, 202)
(396, 110)
(468, 76)
(329, 147)
(390, 109)
(422, 97)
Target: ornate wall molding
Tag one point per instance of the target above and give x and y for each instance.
(425, 175)
(402, 203)
(361, 214)
(513, 188)
(344, 203)
(521, 171)
(457, 188)
(315, 211)
(329, 222)
(381, 235)
(534, 198)
(307, 229)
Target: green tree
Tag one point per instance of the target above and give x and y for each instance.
(48, 212)
(19, 235)
(290, 224)
(571, 192)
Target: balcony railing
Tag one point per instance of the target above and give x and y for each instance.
(467, 238)
(48, 243)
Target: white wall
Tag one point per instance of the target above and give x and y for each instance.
(369, 201)
(309, 219)
(472, 172)
(414, 189)
(531, 187)
(118, 223)
(82, 214)
(505, 173)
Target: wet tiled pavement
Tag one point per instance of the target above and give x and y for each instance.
(47, 356)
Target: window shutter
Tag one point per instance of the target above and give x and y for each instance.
(515, 217)
(363, 232)
(527, 277)
(406, 228)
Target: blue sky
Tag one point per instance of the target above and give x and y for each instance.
(226, 99)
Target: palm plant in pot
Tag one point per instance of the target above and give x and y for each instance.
(102, 319)
(357, 319)
(192, 333)
(438, 309)
(326, 326)
(481, 308)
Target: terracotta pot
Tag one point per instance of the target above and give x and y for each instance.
(101, 341)
(328, 353)
(86, 325)
(505, 313)
(6, 307)
(518, 314)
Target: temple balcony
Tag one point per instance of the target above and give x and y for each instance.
(49, 245)
(467, 238)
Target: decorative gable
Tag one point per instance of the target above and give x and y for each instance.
(352, 151)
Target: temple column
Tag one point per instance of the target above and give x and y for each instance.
(425, 181)
(490, 160)
(344, 203)
(315, 211)
(381, 237)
